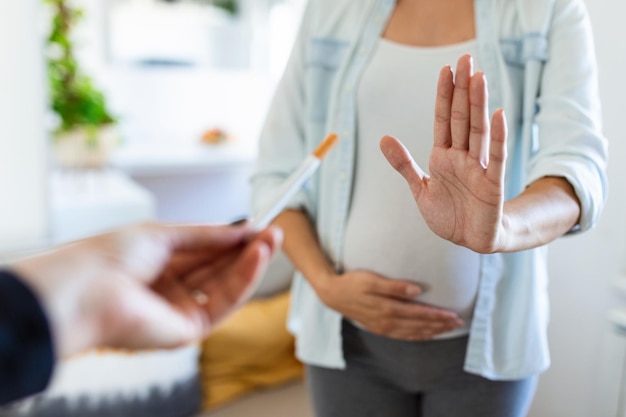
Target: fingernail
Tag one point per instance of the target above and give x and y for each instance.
(451, 72)
(484, 160)
(413, 291)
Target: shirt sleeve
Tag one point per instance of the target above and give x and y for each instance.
(26, 347)
(571, 142)
(282, 143)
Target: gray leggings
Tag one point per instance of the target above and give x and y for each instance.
(390, 378)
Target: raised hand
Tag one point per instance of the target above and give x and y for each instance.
(462, 199)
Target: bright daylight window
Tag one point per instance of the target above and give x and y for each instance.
(225, 34)
(174, 69)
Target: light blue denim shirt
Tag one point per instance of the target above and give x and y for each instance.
(538, 57)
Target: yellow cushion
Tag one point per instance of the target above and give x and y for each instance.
(250, 350)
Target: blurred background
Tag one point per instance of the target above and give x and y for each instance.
(174, 94)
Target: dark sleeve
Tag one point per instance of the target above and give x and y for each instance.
(26, 349)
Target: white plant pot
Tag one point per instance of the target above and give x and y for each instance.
(85, 148)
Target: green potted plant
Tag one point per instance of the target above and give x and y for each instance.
(86, 134)
(230, 6)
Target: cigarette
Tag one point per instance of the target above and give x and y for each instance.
(292, 184)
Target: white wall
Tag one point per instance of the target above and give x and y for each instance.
(587, 356)
(23, 202)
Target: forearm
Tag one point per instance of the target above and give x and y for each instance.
(545, 211)
(302, 247)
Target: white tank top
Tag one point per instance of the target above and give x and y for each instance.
(385, 232)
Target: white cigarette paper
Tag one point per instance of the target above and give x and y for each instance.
(292, 184)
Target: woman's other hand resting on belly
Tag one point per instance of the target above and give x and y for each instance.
(383, 306)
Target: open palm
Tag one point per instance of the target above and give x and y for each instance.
(462, 199)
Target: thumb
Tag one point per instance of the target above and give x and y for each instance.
(229, 288)
(402, 161)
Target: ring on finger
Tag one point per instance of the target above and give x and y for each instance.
(200, 297)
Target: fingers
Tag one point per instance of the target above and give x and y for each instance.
(183, 263)
(230, 280)
(223, 288)
(413, 310)
(203, 236)
(407, 320)
(479, 120)
(413, 330)
(497, 152)
(387, 307)
(462, 116)
(443, 108)
(196, 271)
(237, 282)
(460, 110)
(398, 289)
(272, 236)
(399, 307)
(402, 161)
(227, 280)
(461, 122)
(174, 317)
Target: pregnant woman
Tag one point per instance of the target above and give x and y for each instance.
(430, 299)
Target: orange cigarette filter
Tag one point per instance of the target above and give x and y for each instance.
(293, 183)
(326, 145)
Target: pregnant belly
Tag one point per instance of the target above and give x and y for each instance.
(447, 273)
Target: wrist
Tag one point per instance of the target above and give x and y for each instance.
(502, 241)
(53, 278)
(322, 283)
(515, 230)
